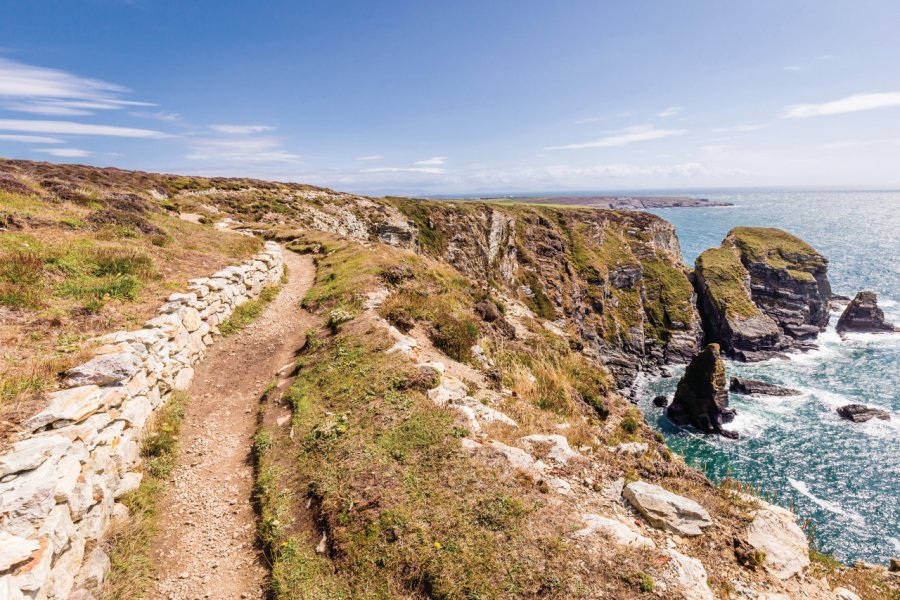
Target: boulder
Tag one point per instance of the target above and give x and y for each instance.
(106, 369)
(666, 510)
(860, 413)
(775, 532)
(862, 315)
(701, 398)
(619, 532)
(688, 575)
(74, 404)
(554, 448)
(761, 292)
(752, 387)
(841, 593)
(488, 311)
(31, 453)
(660, 401)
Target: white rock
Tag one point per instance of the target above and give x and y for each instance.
(190, 318)
(620, 532)
(183, 379)
(136, 410)
(31, 494)
(183, 298)
(93, 571)
(613, 491)
(774, 530)
(74, 404)
(14, 550)
(105, 369)
(688, 575)
(486, 414)
(844, 594)
(666, 510)
(9, 590)
(516, 457)
(630, 448)
(402, 343)
(31, 453)
(558, 450)
(130, 482)
(32, 576)
(65, 567)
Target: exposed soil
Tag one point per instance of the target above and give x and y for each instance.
(206, 545)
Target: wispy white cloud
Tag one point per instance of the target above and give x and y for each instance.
(241, 129)
(855, 103)
(74, 128)
(65, 152)
(434, 160)
(641, 133)
(792, 68)
(29, 139)
(159, 115)
(620, 115)
(52, 92)
(670, 112)
(737, 129)
(370, 157)
(243, 149)
(431, 170)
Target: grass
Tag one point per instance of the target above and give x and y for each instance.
(641, 580)
(724, 274)
(131, 568)
(249, 311)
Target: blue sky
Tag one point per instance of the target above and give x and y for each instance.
(463, 96)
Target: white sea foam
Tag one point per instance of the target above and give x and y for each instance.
(837, 509)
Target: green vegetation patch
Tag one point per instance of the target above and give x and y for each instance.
(249, 311)
(668, 296)
(778, 249)
(724, 274)
(130, 552)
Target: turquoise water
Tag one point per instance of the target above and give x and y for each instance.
(844, 477)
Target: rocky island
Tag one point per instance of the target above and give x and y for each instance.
(863, 315)
(617, 202)
(762, 292)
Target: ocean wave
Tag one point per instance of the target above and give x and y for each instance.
(837, 509)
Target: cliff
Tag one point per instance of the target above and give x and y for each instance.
(761, 292)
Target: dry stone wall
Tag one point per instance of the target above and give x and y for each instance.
(60, 482)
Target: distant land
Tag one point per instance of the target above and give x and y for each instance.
(612, 202)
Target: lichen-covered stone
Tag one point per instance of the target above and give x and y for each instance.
(666, 510)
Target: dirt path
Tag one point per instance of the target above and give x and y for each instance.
(206, 547)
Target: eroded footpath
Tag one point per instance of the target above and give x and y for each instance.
(206, 546)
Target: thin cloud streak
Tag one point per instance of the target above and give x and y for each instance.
(29, 139)
(854, 103)
(74, 128)
(65, 152)
(643, 133)
(435, 160)
(241, 129)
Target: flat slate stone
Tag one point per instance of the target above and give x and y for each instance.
(666, 510)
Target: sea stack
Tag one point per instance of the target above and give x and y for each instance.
(701, 398)
(863, 315)
(762, 292)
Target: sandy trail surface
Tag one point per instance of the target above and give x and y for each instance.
(206, 544)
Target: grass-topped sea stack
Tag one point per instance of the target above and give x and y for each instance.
(762, 291)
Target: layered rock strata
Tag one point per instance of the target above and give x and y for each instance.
(62, 477)
(701, 398)
(762, 292)
(863, 315)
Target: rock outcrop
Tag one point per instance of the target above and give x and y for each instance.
(701, 398)
(860, 413)
(762, 292)
(665, 510)
(774, 531)
(863, 315)
(752, 387)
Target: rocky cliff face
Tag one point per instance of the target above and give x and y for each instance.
(701, 398)
(763, 291)
(864, 315)
(613, 280)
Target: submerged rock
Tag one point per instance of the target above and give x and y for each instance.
(660, 401)
(762, 292)
(665, 510)
(752, 387)
(701, 398)
(860, 413)
(863, 315)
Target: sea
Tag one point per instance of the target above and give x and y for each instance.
(843, 477)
